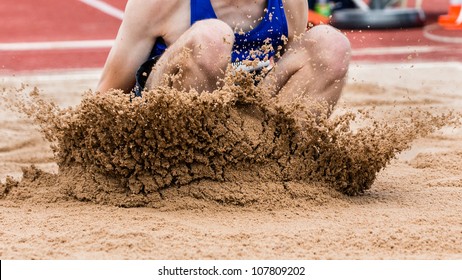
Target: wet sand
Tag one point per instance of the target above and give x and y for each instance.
(411, 211)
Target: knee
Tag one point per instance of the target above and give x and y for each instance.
(212, 42)
(328, 49)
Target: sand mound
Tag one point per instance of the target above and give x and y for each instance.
(172, 145)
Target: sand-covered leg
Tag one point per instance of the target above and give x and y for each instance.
(198, 59)
(313, 68)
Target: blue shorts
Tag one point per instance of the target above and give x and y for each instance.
(142, 75)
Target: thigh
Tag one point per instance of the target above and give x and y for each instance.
(197, 59)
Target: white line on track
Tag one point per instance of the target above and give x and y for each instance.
(57, 45)
(52, 75)
(417, 65)
(438, 38)
(103, 44)
(66, 74)
(400, 50)
(105, 8)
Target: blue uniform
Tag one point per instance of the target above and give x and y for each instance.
(247, 46)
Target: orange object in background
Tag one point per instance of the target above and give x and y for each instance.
(453, 20)
(316, 19)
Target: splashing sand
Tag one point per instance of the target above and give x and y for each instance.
(233, 146)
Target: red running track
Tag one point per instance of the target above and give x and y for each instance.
(46, 35)
(32, 21)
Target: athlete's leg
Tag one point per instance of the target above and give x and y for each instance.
(314, 67)
(198, 59)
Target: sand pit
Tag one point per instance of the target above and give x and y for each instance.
(246, 199)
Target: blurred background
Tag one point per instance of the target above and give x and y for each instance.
(55, 35)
